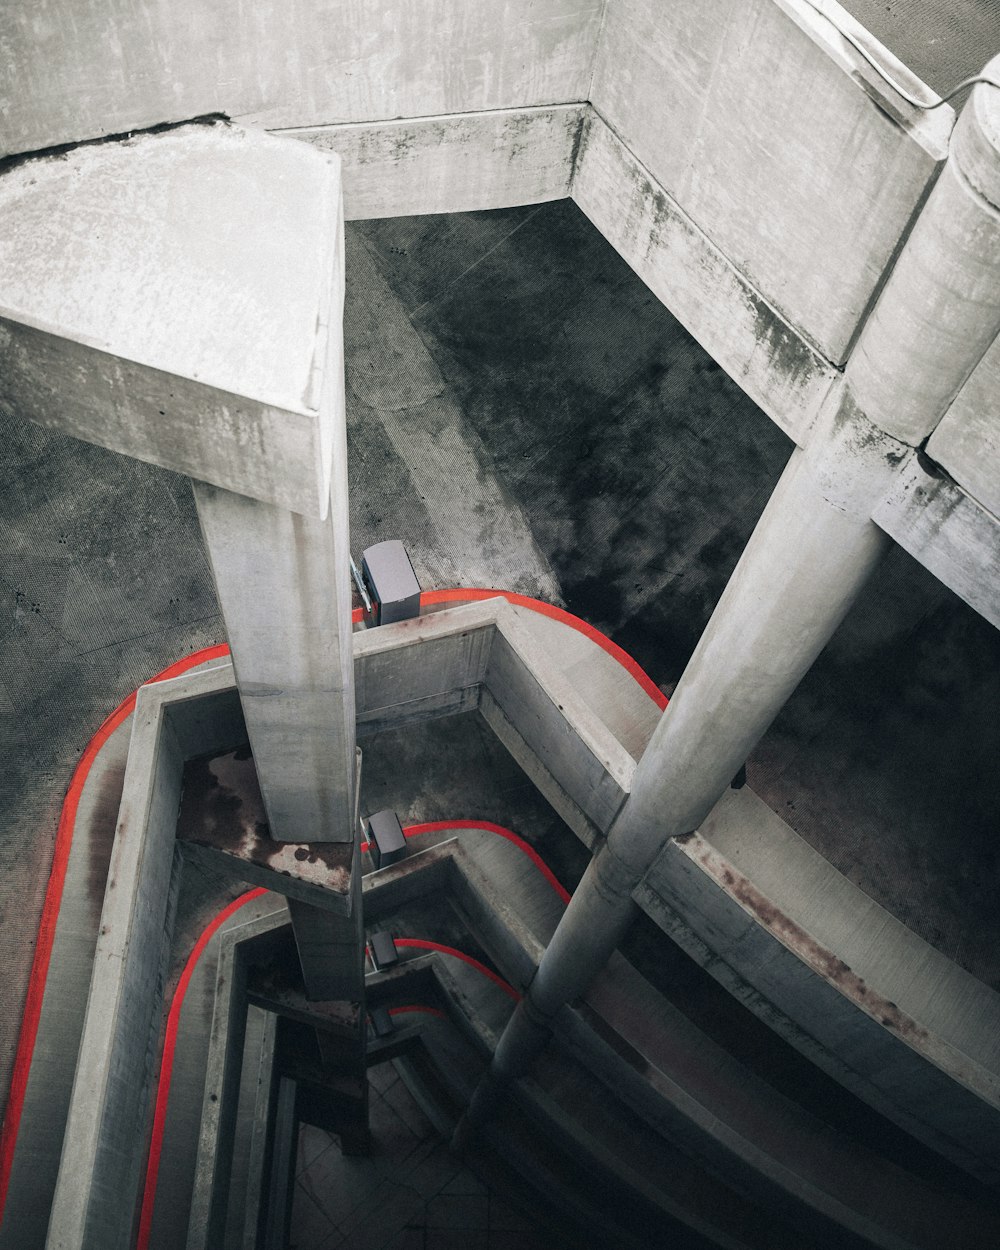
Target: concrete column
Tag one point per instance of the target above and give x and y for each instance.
(810, 554)
(283, 582)
(940, 308)
(331, 946)
(800, 572)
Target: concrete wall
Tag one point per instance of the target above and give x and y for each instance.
(454, 164)
(698, 282)
(75, 69)
(890, 1017)
(100, 1167)
(742, 113)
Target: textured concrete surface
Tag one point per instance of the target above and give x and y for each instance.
(146, 336)
(630, 470)
(763, 111)
(940, 40)
(322, 64)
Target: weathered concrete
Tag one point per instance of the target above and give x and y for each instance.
(940, 309)
(551, 718)
(696, 1095)
(769, 107)
(284, 586)
(331, 946)
(888, 1017)
(149, 335)
(486, 655)
(948, 532)
(316, 66)
(966, 441)
(99, 1172)
(453, 164)
(799, 574)
(220, 1102)
(703, 288)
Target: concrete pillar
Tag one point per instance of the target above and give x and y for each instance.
(810, 554)
(800, 572)
(283, 582)
(331, 946)
(940, 308)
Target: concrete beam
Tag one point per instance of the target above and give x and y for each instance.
(767, 105)
(199, 330)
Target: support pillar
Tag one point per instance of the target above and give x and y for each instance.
(283, 582)
(800, 572)
(811, 552)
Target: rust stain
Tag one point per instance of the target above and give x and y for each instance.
(791, 935)
(222, 808)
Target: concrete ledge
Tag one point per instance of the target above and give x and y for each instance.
(917, 1041)
(455, 163)
(698, 1096)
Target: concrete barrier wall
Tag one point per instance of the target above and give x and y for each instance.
(893, 1020)
(453, 164)
(567, 740)
(98, 1170)
(395, 684)
(743, 112)
(77, 69)
(100, 1167)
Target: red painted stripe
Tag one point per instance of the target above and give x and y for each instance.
(460, 595)
(424, 945)
(60, 860)
(431, 1011)
(436, 826)
(50, 915)
(167, 1061)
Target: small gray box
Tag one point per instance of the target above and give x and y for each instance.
(391, 582)
(385, 838)
(382, 1025)
(383, 950)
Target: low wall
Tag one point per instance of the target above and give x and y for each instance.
(100, 1168)
(884, 1013)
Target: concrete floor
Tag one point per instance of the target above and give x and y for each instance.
(523, 413)
(942, 41)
